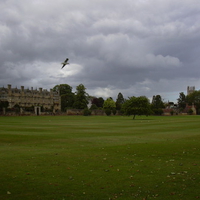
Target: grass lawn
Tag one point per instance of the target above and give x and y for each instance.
(100, 157)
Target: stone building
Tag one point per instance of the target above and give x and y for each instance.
(26, 98)
(190, 89)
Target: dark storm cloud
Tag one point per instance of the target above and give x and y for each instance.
(134, 47)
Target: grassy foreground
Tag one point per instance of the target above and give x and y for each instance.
(77, 157)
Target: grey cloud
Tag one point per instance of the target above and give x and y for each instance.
(128, 46)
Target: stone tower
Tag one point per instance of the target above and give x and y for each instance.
(190, 89)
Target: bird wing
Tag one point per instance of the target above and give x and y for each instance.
(65, 63)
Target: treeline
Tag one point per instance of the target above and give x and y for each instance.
(131, 106)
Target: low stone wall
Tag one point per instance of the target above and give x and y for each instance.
(74, 112)
(98, 112)
(68, 112)
(166, 114)
(80, 112)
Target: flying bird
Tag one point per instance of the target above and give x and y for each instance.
(65, 62)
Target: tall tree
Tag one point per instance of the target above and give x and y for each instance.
(109, 106)
(67, 96)
(181, 101)
(63, 88)
(119, 101)
(109, 103)
(194, 98)
(101, 101)
(137, 106)
(157, 102)
(157, 105)
(81, 97)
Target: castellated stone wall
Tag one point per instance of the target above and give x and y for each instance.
(31, 97)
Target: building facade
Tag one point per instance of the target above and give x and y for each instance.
(26, 98)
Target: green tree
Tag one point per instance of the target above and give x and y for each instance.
(137, 106)
(93, 107)
(119, 101)
(63, 88)
(181, 101)
(109, 106)
(157, 105)
(194, 98)
(67, 96)
(81, 97)
(67, 101)
(157, 102)
(108, 111)
(101, 101)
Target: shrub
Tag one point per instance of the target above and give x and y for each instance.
(114, 111)
(158, 111)
(93, 107)
(190, 112)
(108, 111)
(86, 112)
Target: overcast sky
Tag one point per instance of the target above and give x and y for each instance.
(136, 47)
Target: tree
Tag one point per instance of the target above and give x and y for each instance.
(93, 107)
(67, 96)
(67, 101)
(157, 105)
(4, 104)
(63, 88)
(108, 111)
(194, 98)
(98, 102)
(101, 101)
(157, 102)
(119, 101)
(109, 106)
(181, 101)
(137, 106)
(81, 97)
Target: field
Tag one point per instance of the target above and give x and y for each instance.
(77, 157)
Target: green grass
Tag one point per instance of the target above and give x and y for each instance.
(77, 157)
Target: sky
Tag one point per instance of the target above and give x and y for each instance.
(137, 48)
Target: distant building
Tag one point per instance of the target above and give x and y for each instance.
(190, 109)
(190, 89)
(48, 100)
